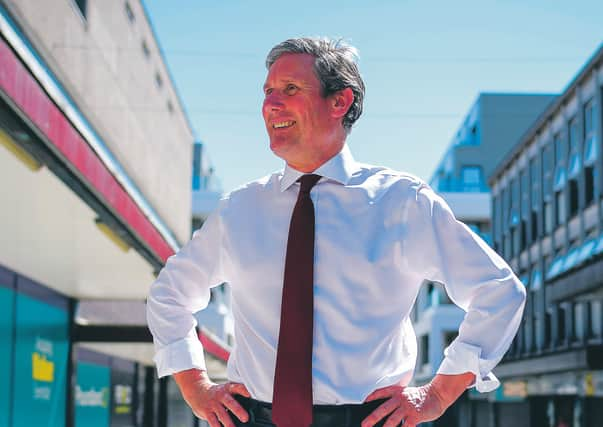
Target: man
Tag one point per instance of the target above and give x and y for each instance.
(325, 260)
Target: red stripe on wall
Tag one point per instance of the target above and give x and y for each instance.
(17, 82)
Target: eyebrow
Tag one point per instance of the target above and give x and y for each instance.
(285, 80)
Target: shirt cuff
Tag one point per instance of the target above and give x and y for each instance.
(180, 355)
(460, 358)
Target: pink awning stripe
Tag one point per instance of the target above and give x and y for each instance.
(214, 348)
(17, 82)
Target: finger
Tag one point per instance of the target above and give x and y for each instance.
(395, 419)
(382, 393)
(381, 411)
(237, 388)
(235, 407)
(212, 420)
(224, 417)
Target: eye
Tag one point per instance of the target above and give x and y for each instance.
(291, 89)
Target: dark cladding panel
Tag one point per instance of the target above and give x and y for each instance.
(122, 392)
(7, 344)
(40, 367)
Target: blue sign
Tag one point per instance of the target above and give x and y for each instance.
(6, 344)
(41, 352)
(92, 395)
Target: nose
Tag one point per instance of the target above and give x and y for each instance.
(272, 102)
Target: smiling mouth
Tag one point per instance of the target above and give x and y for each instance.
(283, 125)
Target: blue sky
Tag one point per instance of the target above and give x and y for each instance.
(423, 62)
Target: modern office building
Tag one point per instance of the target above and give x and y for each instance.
(547, 213)
(488, 131)
(95, 196)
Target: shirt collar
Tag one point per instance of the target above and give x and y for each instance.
(339, 168)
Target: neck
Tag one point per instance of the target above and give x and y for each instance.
(332, 145)
(311, 164)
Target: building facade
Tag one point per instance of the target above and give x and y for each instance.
(547, 213)
(493, 122)
(95, 196)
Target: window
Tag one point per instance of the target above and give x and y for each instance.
(561, 330)
(590, 145)
(548, 328)
(537, 297)
(196, 224)
(496, 222)
(528, 326)
(547, 188)
(145, 49)
(129, 12)
(589, 154)
(573, 135)
(535, 197)
(474, 136)
(170, 106)
(573, 198)
(158, 80)
(506, 213)
(472, 178)
(575, 165)
(559, 208)
(560, 178)
(514, 219)
(560, 151)
(524, 207)
(424, 349)
(580, 326)
(596, 317)
(449, 337)
(506, 207)
(197, 153)
(82, 6)
(590, 180)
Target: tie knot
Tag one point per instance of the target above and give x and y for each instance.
(307, 182)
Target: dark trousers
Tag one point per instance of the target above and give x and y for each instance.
(260, 414)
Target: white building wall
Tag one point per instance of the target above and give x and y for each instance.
(100, 62)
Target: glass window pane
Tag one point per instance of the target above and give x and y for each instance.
(535, 180)
(472, 178)
(588, 118)
(559, 150)
(573, 135)
(575, 165)
(596, 318)
(547, 171)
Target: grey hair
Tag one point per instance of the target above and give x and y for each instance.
(335, 67)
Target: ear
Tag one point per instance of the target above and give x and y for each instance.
(341, 102)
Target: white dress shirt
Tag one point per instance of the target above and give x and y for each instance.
(379, 235)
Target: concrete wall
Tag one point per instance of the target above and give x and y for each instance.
(100, 62)
(504, 119)
(499, 121)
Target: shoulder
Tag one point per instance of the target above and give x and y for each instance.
(255, 189)
(399, 182)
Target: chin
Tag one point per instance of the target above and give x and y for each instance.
(280, 146)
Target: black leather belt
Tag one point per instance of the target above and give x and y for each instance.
(260, 413)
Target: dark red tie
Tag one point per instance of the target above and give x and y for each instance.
(292, 393)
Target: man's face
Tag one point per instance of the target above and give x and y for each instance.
(298, 118)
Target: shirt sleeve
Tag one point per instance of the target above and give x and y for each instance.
(476, 279)
(181, 289)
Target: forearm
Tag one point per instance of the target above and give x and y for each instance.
(448, 388)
